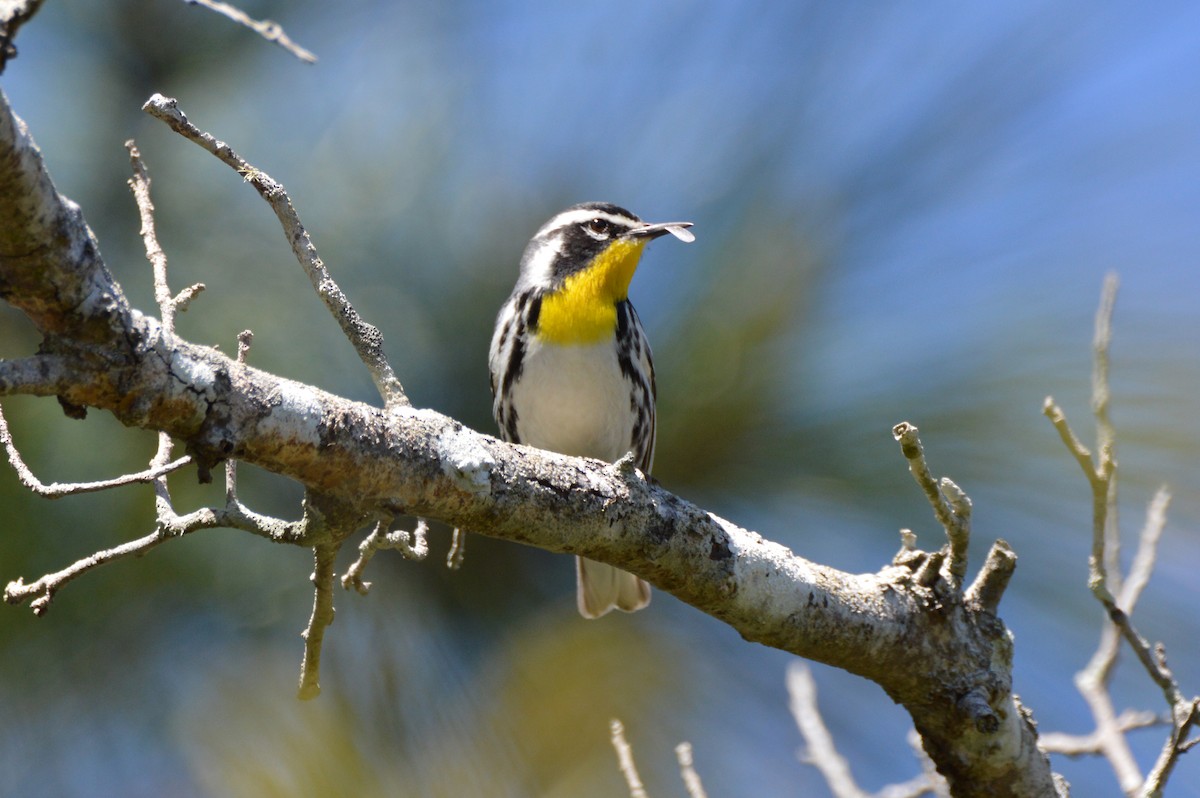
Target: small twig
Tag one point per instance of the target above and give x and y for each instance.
(934, 782)
(821, 752)
(959, 533)
(687, 771)
(1186, 716)
(1143, 561)
(1105, 580)
(57, 490)
(930, 570)
(413, 545)
(42, 591)
(910, 444)
(245, 339)
(366, 338)
(1106, 436)
(1099, 477)
(625, 760)
(168, 305)
(458, 549)
(271, 31)
(950, 504)
(992, 581)
(1093, 681)
(322, 616)
(1094, 744)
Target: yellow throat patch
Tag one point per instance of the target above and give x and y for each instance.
(584, 310)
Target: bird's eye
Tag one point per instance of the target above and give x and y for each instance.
(598, 227)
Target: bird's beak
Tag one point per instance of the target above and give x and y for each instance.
(652, 231)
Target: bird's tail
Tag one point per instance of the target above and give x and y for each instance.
(602, 587)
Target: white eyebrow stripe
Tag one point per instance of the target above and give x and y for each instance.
(568, 218)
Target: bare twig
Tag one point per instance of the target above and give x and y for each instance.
(168, 307)
(992, 580)
(1094, 744)
(950, 504)
(1106, 437)
(366, 338)
(413, 545)
(168, 524)
(458, 549)
(822, 753)
(57, 490)
(318, 622)
(1186, 716)
(271, 31)
(687, 771)
(139, 184)
(1105, 580)
(41, 592)
(929, 773)
(625, 760)
(1143, 561)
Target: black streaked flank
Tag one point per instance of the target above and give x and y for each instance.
(535, 311)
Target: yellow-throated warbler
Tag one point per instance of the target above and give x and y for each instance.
(570, 365)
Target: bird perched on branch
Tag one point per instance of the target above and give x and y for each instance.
(570, 365)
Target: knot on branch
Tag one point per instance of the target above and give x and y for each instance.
(975, 705)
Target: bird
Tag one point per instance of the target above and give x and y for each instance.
(570, 366)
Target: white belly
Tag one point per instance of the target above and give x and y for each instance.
(573, 400)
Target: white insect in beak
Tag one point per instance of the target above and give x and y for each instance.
(677, 229)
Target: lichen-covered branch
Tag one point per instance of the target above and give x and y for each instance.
(907, 627)
(14, 14)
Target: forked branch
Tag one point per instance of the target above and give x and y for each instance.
(1117, 593)
(366, 338)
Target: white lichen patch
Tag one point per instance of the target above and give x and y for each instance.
(296, 411)
(193, 373)
(465, 460)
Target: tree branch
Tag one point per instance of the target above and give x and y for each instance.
(366, 338)
(907, 627)
(57, 490)
(625, 760)
(950, 505)
(1105, 579)
(822, 752)
(269, 30)
(687, 771)
(13, 15)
